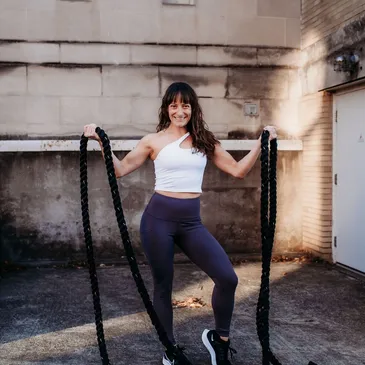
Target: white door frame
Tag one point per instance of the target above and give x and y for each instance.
(334, 164)
(334, 169)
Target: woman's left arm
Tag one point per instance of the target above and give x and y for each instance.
(224, 160)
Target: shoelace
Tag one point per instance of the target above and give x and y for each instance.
(179, 354)
(222, 350)
(232, 351)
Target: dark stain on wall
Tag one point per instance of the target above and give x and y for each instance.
(192, 80)
(77, 1)
(242, 134)
(6, 68)
(241, 52)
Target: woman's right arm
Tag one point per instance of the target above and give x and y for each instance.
(132, 161)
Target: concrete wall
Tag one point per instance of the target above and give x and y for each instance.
(39, 101)
(41, 218)
(329, 29)
(68, 63)
(40, 206)
(226, 22)
(109, 62)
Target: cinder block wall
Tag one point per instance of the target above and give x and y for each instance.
(65, 64)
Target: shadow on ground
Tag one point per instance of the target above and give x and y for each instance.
(47, 316)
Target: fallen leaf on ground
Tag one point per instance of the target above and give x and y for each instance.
(188, 303)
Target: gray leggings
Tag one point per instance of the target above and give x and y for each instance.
(167, 221)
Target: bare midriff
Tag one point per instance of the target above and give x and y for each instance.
(179, 195)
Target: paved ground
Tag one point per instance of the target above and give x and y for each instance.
(46, 316)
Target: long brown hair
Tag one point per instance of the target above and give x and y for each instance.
(203, 139)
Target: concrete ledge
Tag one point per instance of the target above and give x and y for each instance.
(147, 54)
(124, 145)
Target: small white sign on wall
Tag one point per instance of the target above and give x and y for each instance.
(251, 109)
(179, 2)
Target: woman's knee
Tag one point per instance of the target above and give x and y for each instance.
(233, 280)
(162, 274)
(228, 281)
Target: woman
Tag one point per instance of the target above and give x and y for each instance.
(180, 150)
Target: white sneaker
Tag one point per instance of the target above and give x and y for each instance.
(217, 348)
(177, 357)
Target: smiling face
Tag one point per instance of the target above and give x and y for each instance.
(179, 112)
(180, 108)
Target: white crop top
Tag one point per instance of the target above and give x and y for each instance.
(179, 169)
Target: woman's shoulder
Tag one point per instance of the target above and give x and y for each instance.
(152, 139)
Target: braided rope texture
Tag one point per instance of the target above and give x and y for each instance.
(268, 223)
(126, 242)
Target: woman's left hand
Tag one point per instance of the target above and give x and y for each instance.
(272, 132)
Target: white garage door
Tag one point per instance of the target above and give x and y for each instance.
(349, 192)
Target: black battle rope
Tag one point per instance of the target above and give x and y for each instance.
(126, 242)
(268, 222)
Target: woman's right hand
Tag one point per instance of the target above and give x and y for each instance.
(89, 132)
